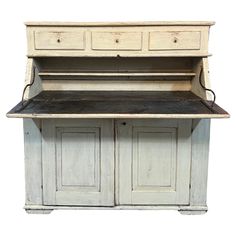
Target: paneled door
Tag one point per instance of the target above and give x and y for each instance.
(78, 162)
(153, 161)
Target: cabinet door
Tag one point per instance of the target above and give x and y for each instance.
(78, 162)
(154, 161)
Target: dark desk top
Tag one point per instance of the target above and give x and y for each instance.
(117, 104)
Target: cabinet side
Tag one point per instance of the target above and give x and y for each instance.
(199, 170)
(33, 162)
(30, 40)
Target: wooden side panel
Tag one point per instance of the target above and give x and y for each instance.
(33, 78)
(29, 76)
(78, 162)
(33, 162)
(154, 161)
(206, 80)
(201, 68)
(200, 150)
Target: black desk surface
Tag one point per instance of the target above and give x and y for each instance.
(116, 102)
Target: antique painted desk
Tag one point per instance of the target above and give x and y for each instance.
(117, 115)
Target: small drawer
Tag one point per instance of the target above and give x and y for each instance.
(61, 40)
(117, 41)
(175, 40)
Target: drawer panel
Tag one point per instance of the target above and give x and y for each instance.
(175, 40)
(61, 40)
(117, 41)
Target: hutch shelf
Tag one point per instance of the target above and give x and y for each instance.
(117, 116)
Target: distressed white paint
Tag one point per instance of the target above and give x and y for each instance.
(175, 40)
(121, 40)
(68, 149)
(156, 164)
(152, 190)
(199, 170)
(33, 161)
(62, 40)
(154, 161)
(78, 158)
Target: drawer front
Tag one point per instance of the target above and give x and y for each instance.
(61, 40)
(117, 41)
(175, 40)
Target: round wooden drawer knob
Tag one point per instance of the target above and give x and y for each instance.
(58, 40)
(117, 40)
(175, 40)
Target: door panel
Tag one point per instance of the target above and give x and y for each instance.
(78, 162)
(78, 159)
(154, 161)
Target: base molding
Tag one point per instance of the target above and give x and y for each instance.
(193, 210)
(38, 211)
(184, 210)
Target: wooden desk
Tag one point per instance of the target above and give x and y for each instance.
(117, 116)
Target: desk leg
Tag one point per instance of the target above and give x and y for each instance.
(199, 168)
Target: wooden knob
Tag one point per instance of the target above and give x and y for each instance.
(58, 40)
(117, 40)
(175, 40)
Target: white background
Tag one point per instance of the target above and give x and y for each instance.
(220, 218)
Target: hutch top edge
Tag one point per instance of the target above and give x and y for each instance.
(133, 23)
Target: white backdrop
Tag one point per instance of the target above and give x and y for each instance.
(220, 218)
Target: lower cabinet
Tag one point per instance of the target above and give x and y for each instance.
(116, 163)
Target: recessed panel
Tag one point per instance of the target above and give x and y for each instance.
(117, 40)
(175, 40)
(78, 158)
(59, 40)
(154, 161)
(154, 158)
(78, 162)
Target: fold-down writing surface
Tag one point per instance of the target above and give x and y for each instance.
(76, 104)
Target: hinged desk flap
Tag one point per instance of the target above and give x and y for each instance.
(117, 104)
